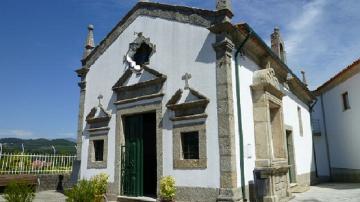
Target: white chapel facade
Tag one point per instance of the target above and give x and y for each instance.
(181, 91)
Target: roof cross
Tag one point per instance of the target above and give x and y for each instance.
(99, 98)
(186, 78)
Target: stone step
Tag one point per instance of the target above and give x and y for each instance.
(135, 199)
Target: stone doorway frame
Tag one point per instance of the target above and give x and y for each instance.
(120, 138)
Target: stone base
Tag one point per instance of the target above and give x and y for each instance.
(230, 195)
(272, 184)
(345, 175)
(199, 194)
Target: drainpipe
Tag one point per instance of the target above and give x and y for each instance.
(311, 107)
(241, 140)
(326, 137)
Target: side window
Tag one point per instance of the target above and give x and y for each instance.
(99, 150)
(345, 99)
(190, 145)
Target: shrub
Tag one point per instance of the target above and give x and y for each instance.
(19, 192)
(100, 184)
(88, 190)
(167, 188)
(83, 191)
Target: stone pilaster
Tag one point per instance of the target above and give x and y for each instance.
(226, 129)
(82, 86)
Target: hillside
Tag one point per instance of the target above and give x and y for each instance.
(39, 146)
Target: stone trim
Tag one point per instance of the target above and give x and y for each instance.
(199, 17)
(91, 153)
(80, 126)
(191, 117)
(178, 161)
(224, 48)
(120, 138)
(136, 99)
(101, 129)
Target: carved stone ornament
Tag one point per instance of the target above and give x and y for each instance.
(147, 84)
(134, 47)
(98, 118)
(188, 104)
(266, 80)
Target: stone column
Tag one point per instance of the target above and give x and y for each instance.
(226, 130)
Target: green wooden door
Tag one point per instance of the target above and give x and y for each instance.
(133, 159)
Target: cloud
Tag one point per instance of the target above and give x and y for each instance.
(302, 27)
(17, 133)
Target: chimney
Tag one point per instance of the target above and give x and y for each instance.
(89, 44)
(304, 78)
(223, 5)
(277, 44)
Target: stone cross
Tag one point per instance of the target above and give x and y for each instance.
(186, 78)
(100, 97)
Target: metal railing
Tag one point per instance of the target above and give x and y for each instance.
(35, 164)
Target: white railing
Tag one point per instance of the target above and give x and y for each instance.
(35, 164)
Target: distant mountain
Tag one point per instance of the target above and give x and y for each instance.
(39, 146)
(71, 139)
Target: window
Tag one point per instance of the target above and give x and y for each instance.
(300, 122)
(99, 150)
(142, 54)
(190, 145)
(345, 98)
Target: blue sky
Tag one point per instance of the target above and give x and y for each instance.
(42, 42)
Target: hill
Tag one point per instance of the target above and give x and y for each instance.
(38, 146)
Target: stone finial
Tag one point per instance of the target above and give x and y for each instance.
(89, 44)
(223, 5)
(304, 77)
(186, 78)
(277, 44)
(100, 97)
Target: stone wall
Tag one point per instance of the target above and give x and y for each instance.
(281, 185)
(53, 182)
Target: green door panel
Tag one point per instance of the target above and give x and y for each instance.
(132, 157)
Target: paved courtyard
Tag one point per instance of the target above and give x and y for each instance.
(48, 196)
(330, 192)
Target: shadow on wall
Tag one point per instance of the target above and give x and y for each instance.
(205, 55)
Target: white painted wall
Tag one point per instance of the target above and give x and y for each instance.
(246, 70)
(342, 126)
(180, 48)
(320, 146)
(303, 144)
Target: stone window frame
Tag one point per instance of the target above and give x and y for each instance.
(178, 161)
(91, 152)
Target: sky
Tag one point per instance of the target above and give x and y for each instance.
(42, 44)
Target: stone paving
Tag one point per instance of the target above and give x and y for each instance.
(330, 192)
(48, 196)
